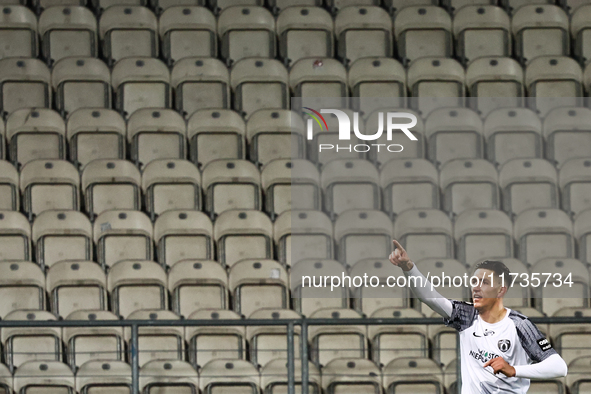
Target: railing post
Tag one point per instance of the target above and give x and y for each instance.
(304, 356)
(290, 359)
(135, 362)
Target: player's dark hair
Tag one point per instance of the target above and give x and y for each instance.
(498, 267)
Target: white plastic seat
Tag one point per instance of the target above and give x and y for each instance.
(110, 184)
(567, 134)
(281, 5)
(27, 82)
(216, 134)
(197, 285)
(414, 375)
(451, 268)
(44, 376)
(518, 296)
(338, 5)
(187, 31)
(15, 237)
(243, 235)
(160, 6)
(580, 29)
(5, 380)
(351, 374)
(229, 376)
(528, 183)
(575, 181)
(577, 380)
(18, 31)
(583, 235)
(9, 187)
(22, 286)
(274, 378)
(95, 133)
(571, 6)
(268, 343)
(100, 376)
(424, 233)
(378, 294)
(220, 5)
(122, 235)
(568, 338)
(542, 234)
(513, 5)
(168, 376)
(393, 6)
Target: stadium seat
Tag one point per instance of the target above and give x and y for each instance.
(513, 5)
(49, 185)
(221, 5)
(35, 134)
(413, 375)
(27, 82)
(110, 184)
(449, 268)
(230, 185)
(396, 5)
(18, 35)
(160, 6)
(567, 134)
(333, 342)
(246, 31)
(95, 133)
(68, 31)
(122, 235)
(519, 295)
(575, 180)
(243, 235)
(182, 235)
(303, 31)
(424, 233)
(9, 187)
(376, 295)
(91, 344)
(216, 134)
(280, 5)
(583, 235)
(275, 134)
(480, 31)
(578, 378)
(128, 31)
(337, 5)
(351, 375)
(423, 31)
(528, 183)
(223, 376)
(514, 133)
(409, 184)
(572, 6)
(571, 340)
(363, 30)
(196, 285)
(580, 28)
(99, 376)
(135, 285)
(483, 234)
(453, 6)
(270, 342)
(22, 286)
(140, 83)
(160, 376)
(199, 84)
(81, 82)
(22, 344)
(469, 184)
(450, 376)
(187, 31)
(15, 237)
(274, 377)
(5, 380)
(544, 233)
(362, 234)
(207, 343)
(259, 83)
(76, 285)
(44, 376)
(302, 234)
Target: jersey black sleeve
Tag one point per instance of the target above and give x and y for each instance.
(536, 345)
(462, 316)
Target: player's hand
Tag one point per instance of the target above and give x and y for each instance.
(399, 257)
(500, 365)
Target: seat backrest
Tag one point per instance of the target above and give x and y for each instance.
(163, 373)
(229, 373)
(99, 373)
(43, 373)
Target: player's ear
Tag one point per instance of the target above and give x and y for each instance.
(502, 291)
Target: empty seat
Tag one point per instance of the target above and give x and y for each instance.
(226, 375)
(135, 285)
(5, 380)
(68, 31)
(301, 234)
(514, 133)
(18, 32)
(168, 375)
(200, 83)
(571, 6)
(318, 77)
(454, 134)
(396, 5)
(182, 235)
(141, 83)
(378, 293)
(216, 134)
(15, 237)
(333, 342)
(187, 31)
(98, 375)
(281, 5)
(575, 181)
(44, 376)
(483, 234)
(410, 374)
(569, 338)
(49, 185)
(27, 82)
(9, 187)
(275, 134)
(95, 133)
(259, 83)
(35, 134)
(290, 184)
(409, 184)
(519, 295)
(256, 284)
(304, 31)
(91, 344)
(580, 29)
(22, 344)
(41, 5)
(196, 285)
(451, 268)
(513, 5)
(207, 343)
(128, 31)
(423, 31)
(424, 233)
(231, 184)
(246, 31)
(544, 233)
(567, 134)
(361, 234)
(582, 230)
(160, 6)
(578, 380)
(337, 5)
(270, 342)
(155, 134)
(220, 5)
(351, 374)
(528, 183)
(76, 285)
(22, 286)
(274, 377)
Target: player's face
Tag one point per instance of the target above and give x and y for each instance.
(488, 289)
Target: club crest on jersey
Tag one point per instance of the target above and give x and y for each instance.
(504, 345)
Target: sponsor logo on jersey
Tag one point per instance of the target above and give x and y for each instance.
(504, 345)
(544, 344)
(483, 355)
(486, 333)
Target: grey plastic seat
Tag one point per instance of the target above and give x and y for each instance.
(15, 237)
(567, 134)
(575, 179)
(18, 34)
(580, 28)
(351, 374)
(100, 375)
(27, 82)
(582, 231)
(22, 286)
(9, 187)
(425, 233)
(378, 294)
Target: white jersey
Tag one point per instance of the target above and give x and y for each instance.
(515, 338)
